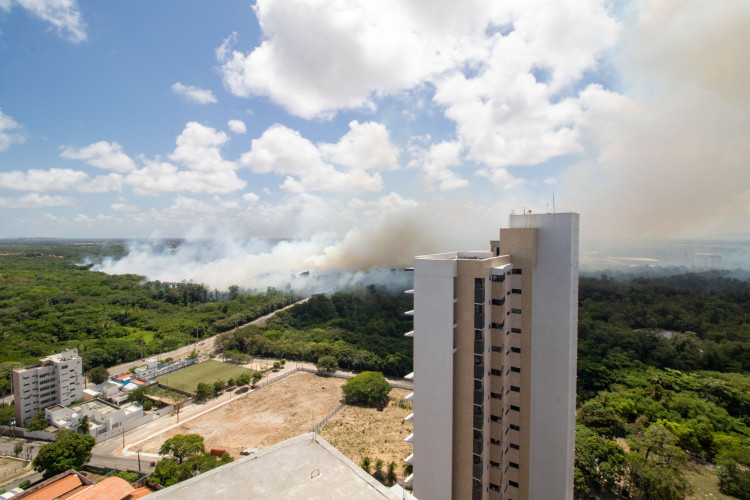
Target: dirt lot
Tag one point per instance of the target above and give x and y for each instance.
(358, 432)
(8, 466)
(265, 417)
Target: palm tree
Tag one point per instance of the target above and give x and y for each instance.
(378, 474)
(390, 476)
(366, 464)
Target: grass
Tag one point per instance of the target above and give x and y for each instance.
(705, 483)
(136, 334)
(210, 371)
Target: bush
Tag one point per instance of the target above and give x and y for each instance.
(38, 423)
(24, 484)
(130, 477)
(367, 389)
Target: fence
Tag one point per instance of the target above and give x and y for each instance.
(126, 426)
(22, 467)
(328, 417)
(23, 433)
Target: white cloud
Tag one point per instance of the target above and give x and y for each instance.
(125, 208)
(237, 126)
(52, 180)
(436, 162)
(550, 181)
(63, 15)
(36, 200)
(194, 94)
(111, 183)
(199, 149)
(102, 154)
(250, 198)
(8, 133)
(366, 146)
(284, 151)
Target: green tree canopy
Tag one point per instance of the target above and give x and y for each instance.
(69, 451)
(327, 364)
(98, 374)
(367, 389)
(181, 446)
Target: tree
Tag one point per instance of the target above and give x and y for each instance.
(69, 451)
(203, 391)
(599, 463)
(277, 365)
(38, 422)
(256, 377)
(378, 472)
(390, 477)
(84, 424)
(243, 379)
(193, 355)
(366, 464)
(734, 480)
(181, 446)
(602, 419)
(166, 472)
(138, 395)
(18, 448)
(367, 389)
(219, 386)
(327, 364)
(98, 374)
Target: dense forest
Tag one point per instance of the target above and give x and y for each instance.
(363, 328)
(49, 301)
(662, 377)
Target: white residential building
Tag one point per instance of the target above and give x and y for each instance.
(103, 417)
(495, 336)
(57, 379)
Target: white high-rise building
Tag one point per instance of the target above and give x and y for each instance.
(495, 336)
(58, 379)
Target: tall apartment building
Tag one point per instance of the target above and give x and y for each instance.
(58, 379)
(495, 337)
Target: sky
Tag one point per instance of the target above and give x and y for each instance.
(371, 131)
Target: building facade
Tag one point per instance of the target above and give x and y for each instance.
(495, 336)
(57, 380)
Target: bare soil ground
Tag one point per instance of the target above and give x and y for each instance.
(705, 482)
(263, 418)
(9, 466)
(358, 432)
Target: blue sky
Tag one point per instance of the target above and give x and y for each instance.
(352, 122)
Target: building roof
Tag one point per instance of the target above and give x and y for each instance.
(56, 487)
(112, 488)
(70, 485)
(303, 467)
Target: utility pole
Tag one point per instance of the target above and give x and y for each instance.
(139, 460)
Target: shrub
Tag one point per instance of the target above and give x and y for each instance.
(327, 364)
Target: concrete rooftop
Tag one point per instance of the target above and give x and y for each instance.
(298, 468)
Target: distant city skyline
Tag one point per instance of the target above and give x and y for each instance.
(346, 123)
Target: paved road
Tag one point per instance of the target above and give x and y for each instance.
(203, 346)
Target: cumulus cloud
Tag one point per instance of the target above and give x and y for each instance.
(52, 180)
(366, 146)
(284, 151)
(670, 157)
(194, 94)
(198, 148)
(102, 154)
(9, 132)
(63, 15)
(250, 197)
(237, 126)
(436, 161)
(36, 200)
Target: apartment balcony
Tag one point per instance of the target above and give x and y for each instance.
(478, 346)
(409, 397)
(478, 471)
(410, 459)
(409, 376)
(478, 421)
(410, 292)
(479, 321)
(409, 479)
(479, 371)
(409, 334)
(479, 295)
(478, 446)
(409, 313)
(409, 418)
(478, 397)
(409, 438)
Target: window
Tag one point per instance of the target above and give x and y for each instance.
(515, 310)
(478, 282)
(514, 446)
(495, 418)
(498, 302)
(513, 483)
(515, 330)
(495, 372)
(515, 388)
(498, 326)
(517, 350)
(516, 271)
(478, 309)
(477, 385)
(515, 369)
(515, 290)
(515, 427)
(498, 278)
(494, 441)
(515, 408)
(494, 487)
(497, 349)
(494, 465)
(495, 395)
(478, 334)
(513, 465)
(477, 359)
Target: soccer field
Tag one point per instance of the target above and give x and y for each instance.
(210, 371)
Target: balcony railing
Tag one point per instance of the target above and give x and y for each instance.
(478, 320)
(478, 421)
(478, 346)
(479, 295)
(478, 447)
(479, 371)
(478, 397)
(478, 470)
